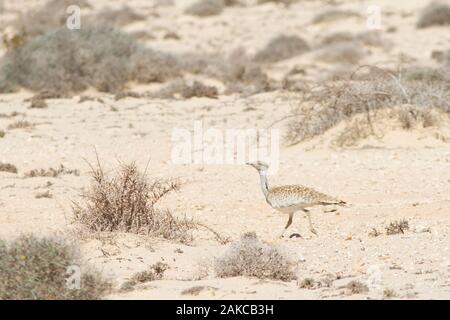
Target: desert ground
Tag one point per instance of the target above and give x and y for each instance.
(390, 175)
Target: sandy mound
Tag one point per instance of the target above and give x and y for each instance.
(400, 127)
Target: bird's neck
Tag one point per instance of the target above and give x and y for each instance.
(264, 182)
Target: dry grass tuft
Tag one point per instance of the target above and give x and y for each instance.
(356, 287)
(50, 16)
(281, 48)
(68, 61)
(115, 17)
(435, 14)
(341, 52)
(34, 268)
(154, 272)
(45, 194)
(204, 8)
(2, 134)
(334, 15)
(8, 167)
(396, 227)
(126, 202)
(51, 172)
(20, 124)
(253, 258)
(186, 90)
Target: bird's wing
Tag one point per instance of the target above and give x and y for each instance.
(297, 195)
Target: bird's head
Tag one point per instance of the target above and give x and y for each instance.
(259, 165)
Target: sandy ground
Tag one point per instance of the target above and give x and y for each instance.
(404, 176)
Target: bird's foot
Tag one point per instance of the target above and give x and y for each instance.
(295, 235)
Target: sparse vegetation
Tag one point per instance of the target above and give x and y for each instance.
(396, 227)
(2, 134)
(341, 52)
(281, 48)
(126, 202)
(154, 272)
(389, 293)
(307, 283)
(38, 104)
(203, 8)
(253, 258)
(20, 124)
(324, 106)
(435, 14)
(45, 194)
(73, 60)
(8, 167)
(333, 15)
(186, 90)
(37, 269)
(51, 172)
(115, 17)
(356, 287)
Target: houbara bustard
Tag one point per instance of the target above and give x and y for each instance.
(292, 198)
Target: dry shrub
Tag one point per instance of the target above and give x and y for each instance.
(396, 227)
(154, 272)
(322, 107)
(37, 269)
(66, 61)
(285, 2)
(20, 124)
(369, 38)
(186, 90)
(126, 202)
(281, 48)
(2, 134)
(51, 172)
(196, 290)
(253, 258)
(334, 15)
(8, 167)
(356, 287)
(341, 52)
(50, 16)
(435, 14)
(203, 8)
(37, 103)
(115, 17)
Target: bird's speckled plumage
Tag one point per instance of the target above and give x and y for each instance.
(298, 196)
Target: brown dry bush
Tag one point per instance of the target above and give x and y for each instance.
(435, 14)
(51, 15)
(356, 287)
(281, 48)
(253, 258)
(323, 106)
(396, 227)
(341, 52)
(51, 172)
(333, 15)
(2, 134)
(20, 124)
(204, 8)
(35, 268)
(127, 202)
(186, 90)
(67, 61)
(154, 272)
(115, 17)
(8, 167)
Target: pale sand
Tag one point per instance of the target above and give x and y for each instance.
(403, 176)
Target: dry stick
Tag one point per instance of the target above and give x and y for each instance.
(218, 236)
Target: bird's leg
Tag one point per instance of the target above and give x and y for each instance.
(311, 228)
(287, 224)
